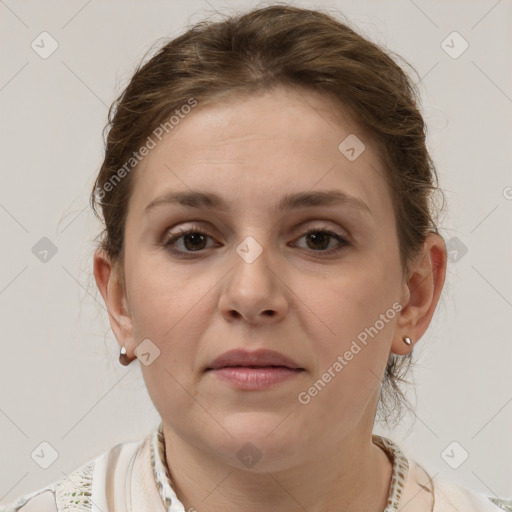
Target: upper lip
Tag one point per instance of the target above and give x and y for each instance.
(262, 357)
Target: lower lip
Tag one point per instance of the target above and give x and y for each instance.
(255, 378)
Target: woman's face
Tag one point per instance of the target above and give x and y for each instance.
(256, 280)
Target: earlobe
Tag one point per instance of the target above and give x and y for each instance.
(110, 285)
(421, 293)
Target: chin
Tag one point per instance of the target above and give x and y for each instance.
(260, 441)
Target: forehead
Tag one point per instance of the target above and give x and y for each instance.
(254, 149)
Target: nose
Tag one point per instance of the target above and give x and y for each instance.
(254, 289)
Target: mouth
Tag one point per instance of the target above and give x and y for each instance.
(254, 378)
(254, 371)
(258, 359)
(252, 366)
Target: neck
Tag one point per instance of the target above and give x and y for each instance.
(355, 476)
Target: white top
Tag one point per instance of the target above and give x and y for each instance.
(133, 476)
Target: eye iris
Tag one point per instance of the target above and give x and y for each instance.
(193, 236)
(319, 237)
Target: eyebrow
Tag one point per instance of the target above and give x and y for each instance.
(289, 202)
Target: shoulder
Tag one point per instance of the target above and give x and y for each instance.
(74, 491)
(42, 500)
(452, 496)
(432, 493)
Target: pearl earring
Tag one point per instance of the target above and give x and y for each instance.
(407, 340)
(123, 358)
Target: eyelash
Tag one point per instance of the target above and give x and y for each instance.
(170, 241)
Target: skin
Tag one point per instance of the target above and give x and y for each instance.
(252, 151)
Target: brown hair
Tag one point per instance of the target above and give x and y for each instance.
(256, 51)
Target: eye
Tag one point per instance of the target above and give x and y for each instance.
(320, 238)
(194, 239)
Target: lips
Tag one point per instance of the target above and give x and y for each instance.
(258, 359)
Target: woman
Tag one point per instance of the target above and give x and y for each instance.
(270, 256)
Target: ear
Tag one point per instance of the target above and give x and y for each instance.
(110, 284)
(421, 293)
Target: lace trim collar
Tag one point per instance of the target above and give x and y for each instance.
(164, 482)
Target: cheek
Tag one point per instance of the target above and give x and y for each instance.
(354, 319)
(173, 309)
(173, 312)
(351, 345)
(160, 296)
(353, 298)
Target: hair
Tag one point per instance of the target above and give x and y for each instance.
(257, 51)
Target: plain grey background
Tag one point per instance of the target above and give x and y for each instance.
(61, 382)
